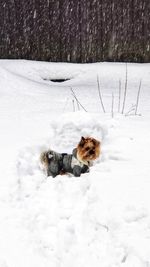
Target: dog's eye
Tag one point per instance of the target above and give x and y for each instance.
(87, 148)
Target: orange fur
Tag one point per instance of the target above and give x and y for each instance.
(88, 149)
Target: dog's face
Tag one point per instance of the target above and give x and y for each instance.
(88, 148)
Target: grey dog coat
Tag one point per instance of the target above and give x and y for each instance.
(64, 162)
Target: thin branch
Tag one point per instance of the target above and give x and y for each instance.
(73, 93)
(100, 96)
(130, 111)
(112, 106)
(78, 105)
(125, 90)
(119, 100)
(138, 94)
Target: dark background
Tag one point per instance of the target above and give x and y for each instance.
(75, 30)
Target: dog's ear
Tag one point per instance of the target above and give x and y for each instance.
(97, 143)
(82, 141)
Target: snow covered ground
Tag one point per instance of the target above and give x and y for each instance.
(103, 217)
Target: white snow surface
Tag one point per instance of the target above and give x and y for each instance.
(101, 218)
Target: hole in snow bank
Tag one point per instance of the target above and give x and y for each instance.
(58, 80)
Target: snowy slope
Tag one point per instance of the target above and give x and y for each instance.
(99, 219)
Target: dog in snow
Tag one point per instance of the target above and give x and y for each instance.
(76, 163)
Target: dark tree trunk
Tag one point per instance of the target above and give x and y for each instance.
(75, 30)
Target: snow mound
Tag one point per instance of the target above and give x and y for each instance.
(68, 129)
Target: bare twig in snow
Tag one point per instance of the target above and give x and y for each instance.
(78, 105)
(112, 106)
(130, 111)
(125, 90)
(100, 96)
(138, 94)
(119, 100)
(74, 95)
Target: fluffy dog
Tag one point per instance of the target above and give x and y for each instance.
(76, 163)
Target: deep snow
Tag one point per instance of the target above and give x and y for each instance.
(103, 217)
